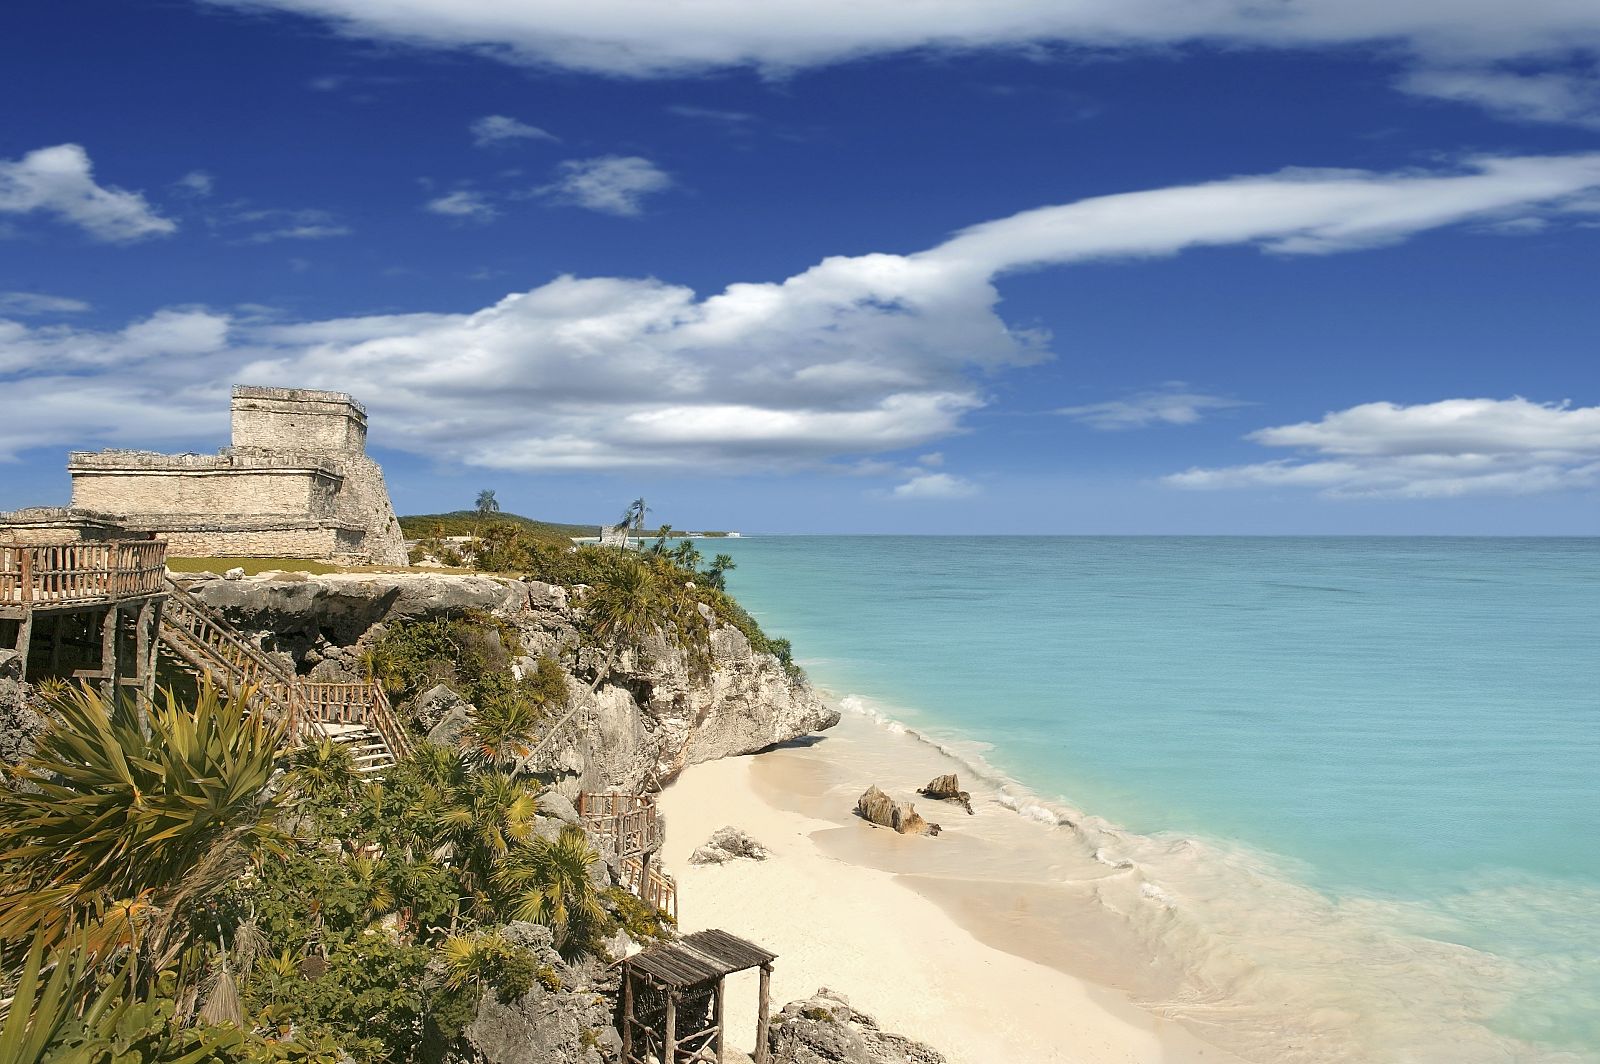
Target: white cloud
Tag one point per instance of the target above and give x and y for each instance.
(1452, 447)
(1562, 97)
(463, 203)
(858, 356)
(1172, 405)
(38, 303)
(625, 37)
(60, 181)
(196, 183)
(935, 486)
(497, 129)
(611, 184)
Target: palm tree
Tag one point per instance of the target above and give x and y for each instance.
(488, 815)
(501, 731)
(486, 505)
(633, 518)
(550, 883)
(659, 547)
(120, 836)
(324, 770)
(716, 575)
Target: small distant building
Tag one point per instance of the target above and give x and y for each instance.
(296, 483)
(613, 535)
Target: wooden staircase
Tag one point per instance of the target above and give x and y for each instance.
(357, 714)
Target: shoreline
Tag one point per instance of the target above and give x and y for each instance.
(1033, 932)
(844, 905)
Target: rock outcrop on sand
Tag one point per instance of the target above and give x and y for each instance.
(947, 788)
(875, 807)
(729, 844)
(825, 1029)
(653, 717)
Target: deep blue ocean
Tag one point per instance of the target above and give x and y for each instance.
(1407, 724)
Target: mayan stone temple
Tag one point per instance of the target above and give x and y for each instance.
(296, 483)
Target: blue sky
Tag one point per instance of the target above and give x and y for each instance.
(1003, 266)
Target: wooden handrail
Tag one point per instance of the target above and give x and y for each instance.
(81, 572)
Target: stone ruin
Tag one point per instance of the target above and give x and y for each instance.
(296, 483)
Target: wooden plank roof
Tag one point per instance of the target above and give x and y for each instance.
(703, 957)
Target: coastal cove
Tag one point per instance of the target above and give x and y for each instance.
(1333, 789)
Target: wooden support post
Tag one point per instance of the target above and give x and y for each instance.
(24, 638)
(143, 660)
(669, 1047)
(763, 1014)
(627, 1015)
(154, 650)
(108, 652)
(57, 623)
(716, 1017)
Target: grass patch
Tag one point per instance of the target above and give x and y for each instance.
(252, 566)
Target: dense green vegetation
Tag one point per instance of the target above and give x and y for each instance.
(168, 897)
(470, 523)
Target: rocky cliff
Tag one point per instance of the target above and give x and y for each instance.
(653, 715)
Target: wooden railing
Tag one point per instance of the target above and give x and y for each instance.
(72, 573)
(649, 884)
(361, 702)
(629, 821)
(209, 644)
(204, 639)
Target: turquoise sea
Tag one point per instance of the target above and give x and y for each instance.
(1408, 727)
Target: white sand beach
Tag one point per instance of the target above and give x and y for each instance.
(870, 934)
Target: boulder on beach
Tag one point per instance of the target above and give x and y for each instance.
(729, 844)
(824, 1027)
(947, 788)
(875, 807)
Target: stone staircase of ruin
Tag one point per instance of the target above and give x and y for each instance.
(200, 641)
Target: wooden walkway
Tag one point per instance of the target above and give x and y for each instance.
(121, 583)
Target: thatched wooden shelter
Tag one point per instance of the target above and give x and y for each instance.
(672, 998)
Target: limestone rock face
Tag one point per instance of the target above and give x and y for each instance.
(21, 722)
(651, 719)
(947, 788)
(875, 807)
(567, 1025)
(824, 1029)
(729, 844)
(436, 703)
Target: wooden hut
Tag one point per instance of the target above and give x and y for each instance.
(672, 998)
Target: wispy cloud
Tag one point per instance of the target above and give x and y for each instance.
(935, 486)
(196, 183)
(1495, 43)
(463, 203)
(60, 181)
(711, 114)
(30, 303)
(1452, 447)
(1562, 97)
(611, 184)
(1173, 404)
(306, 223)
(498, 129)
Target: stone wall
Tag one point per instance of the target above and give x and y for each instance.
(48, 526)
(298, 419)
(306, 491)
(307, 541)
